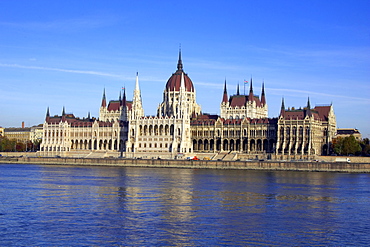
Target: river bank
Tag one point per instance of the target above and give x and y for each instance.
(310, 166)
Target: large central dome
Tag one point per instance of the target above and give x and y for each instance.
(174, 82)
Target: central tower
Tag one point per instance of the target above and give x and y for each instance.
(179, 98)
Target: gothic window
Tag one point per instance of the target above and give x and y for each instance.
(301, 131)
(166, 130)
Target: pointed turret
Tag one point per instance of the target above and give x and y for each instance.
(308, 111)
(250, 96)
(179, 63)
(137, 106)
(63, 114)
(123, 102)
(120, 98)
(104, 100)
(47, 114)
(237, 90)
(88, 115)
(263, 97)
(282, 110)
(137, 82)
(224, 98)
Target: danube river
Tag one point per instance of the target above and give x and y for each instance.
(116, 206)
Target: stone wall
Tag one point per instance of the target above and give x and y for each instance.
(200, 164)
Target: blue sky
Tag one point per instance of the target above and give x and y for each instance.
(64, 53)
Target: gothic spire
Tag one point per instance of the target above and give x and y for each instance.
(124, 97)
(251, 96)
(251, 87)
(137, 106)
(224, 98)
(179, 63)
(137, 82)
(309, 113)
(104, 100)
(263, 97)
(63, 114)
(237, 90)
(47, 115)
(282, 110)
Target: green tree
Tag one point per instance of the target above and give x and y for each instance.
(7, 145)
(338, 145)
(365, 146)
(347, 145)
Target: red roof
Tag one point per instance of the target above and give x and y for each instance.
(319, 113)
(114, 106)
(295, 114)
(241, 100)
(174, 82)
(237, 100)
(323, 112)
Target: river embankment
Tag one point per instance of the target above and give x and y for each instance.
(310, 166)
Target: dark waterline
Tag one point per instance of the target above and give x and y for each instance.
(94, 206)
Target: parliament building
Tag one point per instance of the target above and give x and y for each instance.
(180, 129)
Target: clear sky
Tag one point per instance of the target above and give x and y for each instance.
(64, 53)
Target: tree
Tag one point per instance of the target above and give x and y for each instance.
(7, 145)
(347, 145)
(338, 145)
(365, 145)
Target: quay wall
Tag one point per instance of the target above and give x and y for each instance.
(198, 164)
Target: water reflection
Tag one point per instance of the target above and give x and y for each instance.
(53, 205)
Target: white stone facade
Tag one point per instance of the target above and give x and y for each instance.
(179, 128)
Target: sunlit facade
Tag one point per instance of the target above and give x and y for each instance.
(181, 129)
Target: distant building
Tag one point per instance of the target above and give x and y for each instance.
(19, 134)
(1, 131)
(345, 132)
(180, 127)
(24, 134)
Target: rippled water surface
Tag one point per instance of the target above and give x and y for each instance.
(95, 206)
